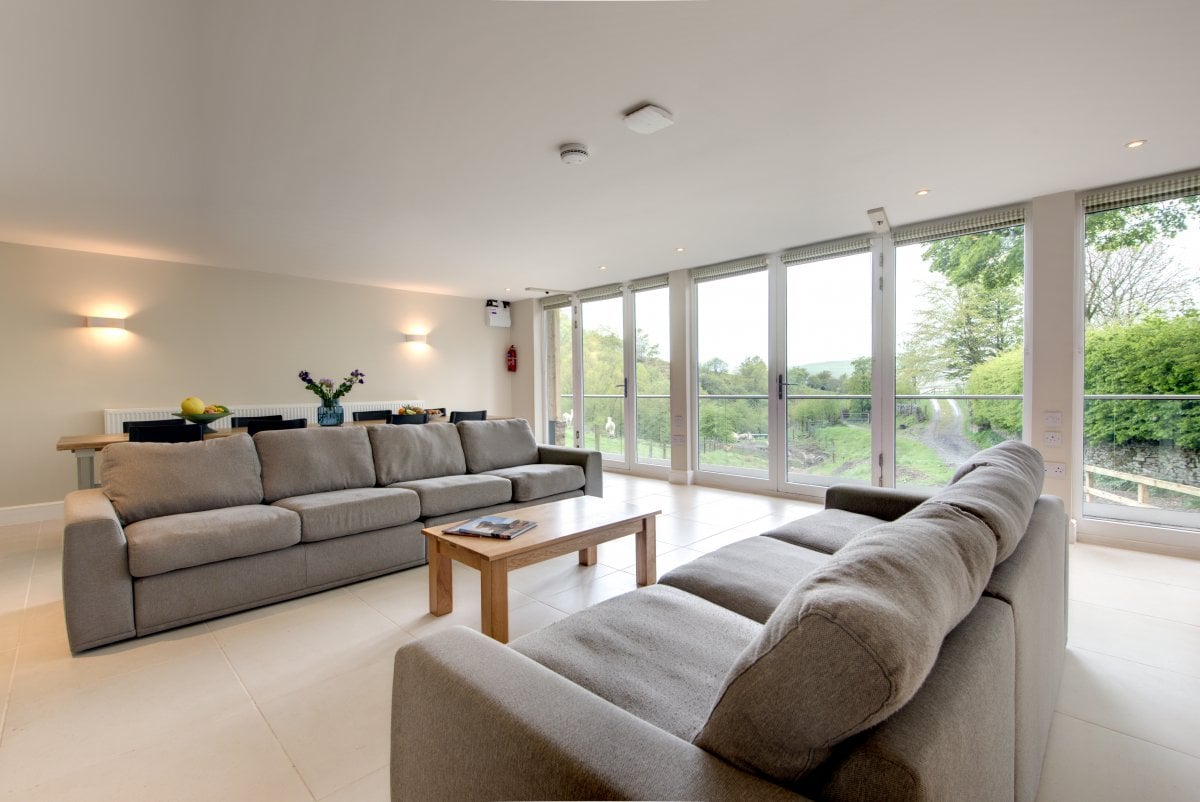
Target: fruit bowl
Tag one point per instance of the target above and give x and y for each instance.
(202, 418)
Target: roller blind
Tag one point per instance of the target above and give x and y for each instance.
(826, 250)
(974, 223)
(737, 267)
(1152, 191)
(649, 283)
(556, 302)
(600, 293)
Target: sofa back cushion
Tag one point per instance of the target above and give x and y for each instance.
(492, 444)
(408, 453)
(999, 485)
(851, 643)
(148, 480)
(296, 462)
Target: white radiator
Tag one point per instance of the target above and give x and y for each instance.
(113, 418)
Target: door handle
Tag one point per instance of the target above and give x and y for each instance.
(624, 385)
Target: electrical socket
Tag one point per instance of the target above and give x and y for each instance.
(1057, 470)
(1052, 420)
(1052, 438)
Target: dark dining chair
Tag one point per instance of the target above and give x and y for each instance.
(165, 434)
(373, 414)
(244, 420)
(253, 427)
(129, 424)
(456, 416)
(420, 417)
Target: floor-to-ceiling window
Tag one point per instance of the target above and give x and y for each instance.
(1141, 381)
(733, 381)
(605, 381)
(558, 371)
(652, 358)
(959, 343)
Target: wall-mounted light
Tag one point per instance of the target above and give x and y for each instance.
(416, 338)
(104, 322)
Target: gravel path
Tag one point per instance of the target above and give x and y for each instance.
(944, 433)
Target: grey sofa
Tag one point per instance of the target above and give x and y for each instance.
(891, 646)
(181, 532)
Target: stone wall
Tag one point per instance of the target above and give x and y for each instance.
(1146, 459)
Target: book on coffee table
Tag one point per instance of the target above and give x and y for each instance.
(493, 526)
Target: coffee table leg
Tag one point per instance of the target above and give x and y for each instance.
(493, 587)
(588, 556)
(441, 579)
(647, 570)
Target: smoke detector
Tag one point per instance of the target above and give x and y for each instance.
(648, 119)
(573, 153)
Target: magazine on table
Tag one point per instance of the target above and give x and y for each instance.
(493, 526)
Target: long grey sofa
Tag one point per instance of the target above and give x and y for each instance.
(182, 532)
(893, 646)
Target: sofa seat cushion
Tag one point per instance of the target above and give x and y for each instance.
(300, 462)
(349, 512)
(407, 453)
(450, 494)
(851, 643)
(491, 444)
(999, 485)
(536, 481)
(149, 480)
(657, 652)
(749, 577)
(825, 531)
(159, 545)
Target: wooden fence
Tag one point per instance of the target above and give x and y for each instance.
(1144, 483)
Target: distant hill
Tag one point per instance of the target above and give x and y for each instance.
(842, 368)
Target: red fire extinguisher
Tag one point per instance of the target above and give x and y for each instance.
(511, 359)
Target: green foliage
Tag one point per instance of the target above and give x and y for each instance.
(961, 327)
(1001, 375)
(1155, 356)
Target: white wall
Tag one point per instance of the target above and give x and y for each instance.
(227, 336)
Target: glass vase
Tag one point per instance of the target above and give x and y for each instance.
(331, 415)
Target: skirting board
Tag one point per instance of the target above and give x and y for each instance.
(31, 513)
(680, 477)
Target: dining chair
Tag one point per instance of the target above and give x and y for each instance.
(244, 420)
(165, 434)
(456, 416)
(129, 424)
(253, 427)
(420, 417)
(373, 414)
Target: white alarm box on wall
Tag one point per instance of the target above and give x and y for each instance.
(497, 314)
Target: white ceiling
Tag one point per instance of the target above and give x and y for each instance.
(414, 143)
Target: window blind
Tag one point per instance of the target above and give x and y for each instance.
(737, 267)
(555, 302)
(826, 250)
(649, 283)
(1152, 191)
(600, 293)
(974, 223)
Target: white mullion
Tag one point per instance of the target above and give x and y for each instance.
(776, 366)
(629, 326)
(577, 368)
(883, 363)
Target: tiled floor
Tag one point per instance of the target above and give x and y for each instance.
(291, 701)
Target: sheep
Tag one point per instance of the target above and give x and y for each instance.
(610, 428)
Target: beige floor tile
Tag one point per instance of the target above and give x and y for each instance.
(1152, 704)
(670, 561)
(679, 531)
(736, 533)
(303, 646)
(622, 552)
(336, 731)
(234, 757)
(576, 598)
(1141, 565)
(1088, 763)
(8, 661)
(101, 720)
(375, 787)
(1144, 596)
(1140, 638)
(552, 576)
(524, 615)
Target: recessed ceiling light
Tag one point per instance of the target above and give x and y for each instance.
(604, 267)
(508, 289)
(679, 250)
(1135, 143)
(922, 193)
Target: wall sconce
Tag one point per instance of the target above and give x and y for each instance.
(104, 322)
(416, 338)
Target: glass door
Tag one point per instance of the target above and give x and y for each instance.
(826, 382)
(559, 375)
(652, 359)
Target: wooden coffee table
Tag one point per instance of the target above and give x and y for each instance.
(575, 524)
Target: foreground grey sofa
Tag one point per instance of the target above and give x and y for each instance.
(892, 646)
(182, 532)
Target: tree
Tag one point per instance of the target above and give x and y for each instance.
(1001, 375)
(1127, 283)
(964, 326)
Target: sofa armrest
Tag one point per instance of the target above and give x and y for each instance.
(473, 719)
(884, 503)
(97, 586)
(593, 470)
